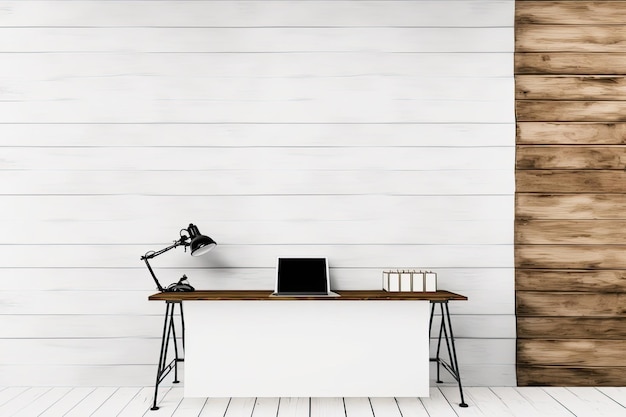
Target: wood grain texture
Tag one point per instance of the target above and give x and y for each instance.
(570, 280)
(573, 133)
(562, 63)
(570, 12)
(570, 111)
(559, 87)
(560, 376)
(588, 352)
(570, 181)
(570, 256)
(570, 38)
(571, 328)
(569, 304)
(570, 206)
(570, 232)
(569, 157)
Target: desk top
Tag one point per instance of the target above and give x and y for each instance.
(345, 295)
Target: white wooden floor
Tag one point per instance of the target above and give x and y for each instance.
(443, 402)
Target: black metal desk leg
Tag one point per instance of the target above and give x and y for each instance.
(169, 332)
(445, 330)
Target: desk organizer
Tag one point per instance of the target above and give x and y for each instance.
(409, 281)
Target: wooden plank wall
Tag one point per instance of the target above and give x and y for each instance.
(571, 192)
(377, 133)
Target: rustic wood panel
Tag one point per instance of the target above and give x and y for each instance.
(553, 87)
(588, 352)
(570, 376)
(570, 111)
(571, 304)
(575, 181)
(569, 62)
(569, 157)
(571, 328)
(570, 206)
(570, 256)
(576, 133)
(570, 38)
(570, 232)
(570, 12)
(570, 280)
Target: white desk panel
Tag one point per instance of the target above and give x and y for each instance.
(306, 348)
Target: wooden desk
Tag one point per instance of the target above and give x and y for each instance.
(405, 351)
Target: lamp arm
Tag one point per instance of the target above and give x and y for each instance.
(150, 255)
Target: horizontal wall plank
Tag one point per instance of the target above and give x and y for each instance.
(570, 38)
(559, 87)
(545, 133)
(246, 40)
(299, 91)
(584, 352)
(145, 69)
(570, 280)
(570, 232)
(574, 181)
(288, 208)
(137, 278)
(569, 63)
(248, 182)
(570, 256)
(570, 157)
(568, 304)
(265, 135)
(570, 12)
(571, 328)
(570, 206)
(143, 375)
(74, 352)
(261, 159)
(148, 326)
(560, 376)
(255, 256)
(570, 111)
(253, 13)
(295, 232)
(351, 108)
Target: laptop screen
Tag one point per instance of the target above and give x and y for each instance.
(302, 276)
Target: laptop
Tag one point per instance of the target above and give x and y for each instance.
(303, 277)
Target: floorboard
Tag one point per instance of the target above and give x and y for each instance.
(411, 407)
(385, 407)
(443, 402)
(327, 407)
(69, 401)
(22, 400)
(358, 407)
(586, 401)
(215, 407)
(43, 402)
(617, 394)
(293, 407)
(266, 407)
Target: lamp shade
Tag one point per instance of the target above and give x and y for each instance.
(200, 244)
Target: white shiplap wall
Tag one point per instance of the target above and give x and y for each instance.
(377, 133)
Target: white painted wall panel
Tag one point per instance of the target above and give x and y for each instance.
(379, 134)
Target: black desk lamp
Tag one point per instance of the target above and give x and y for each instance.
(198, 244)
